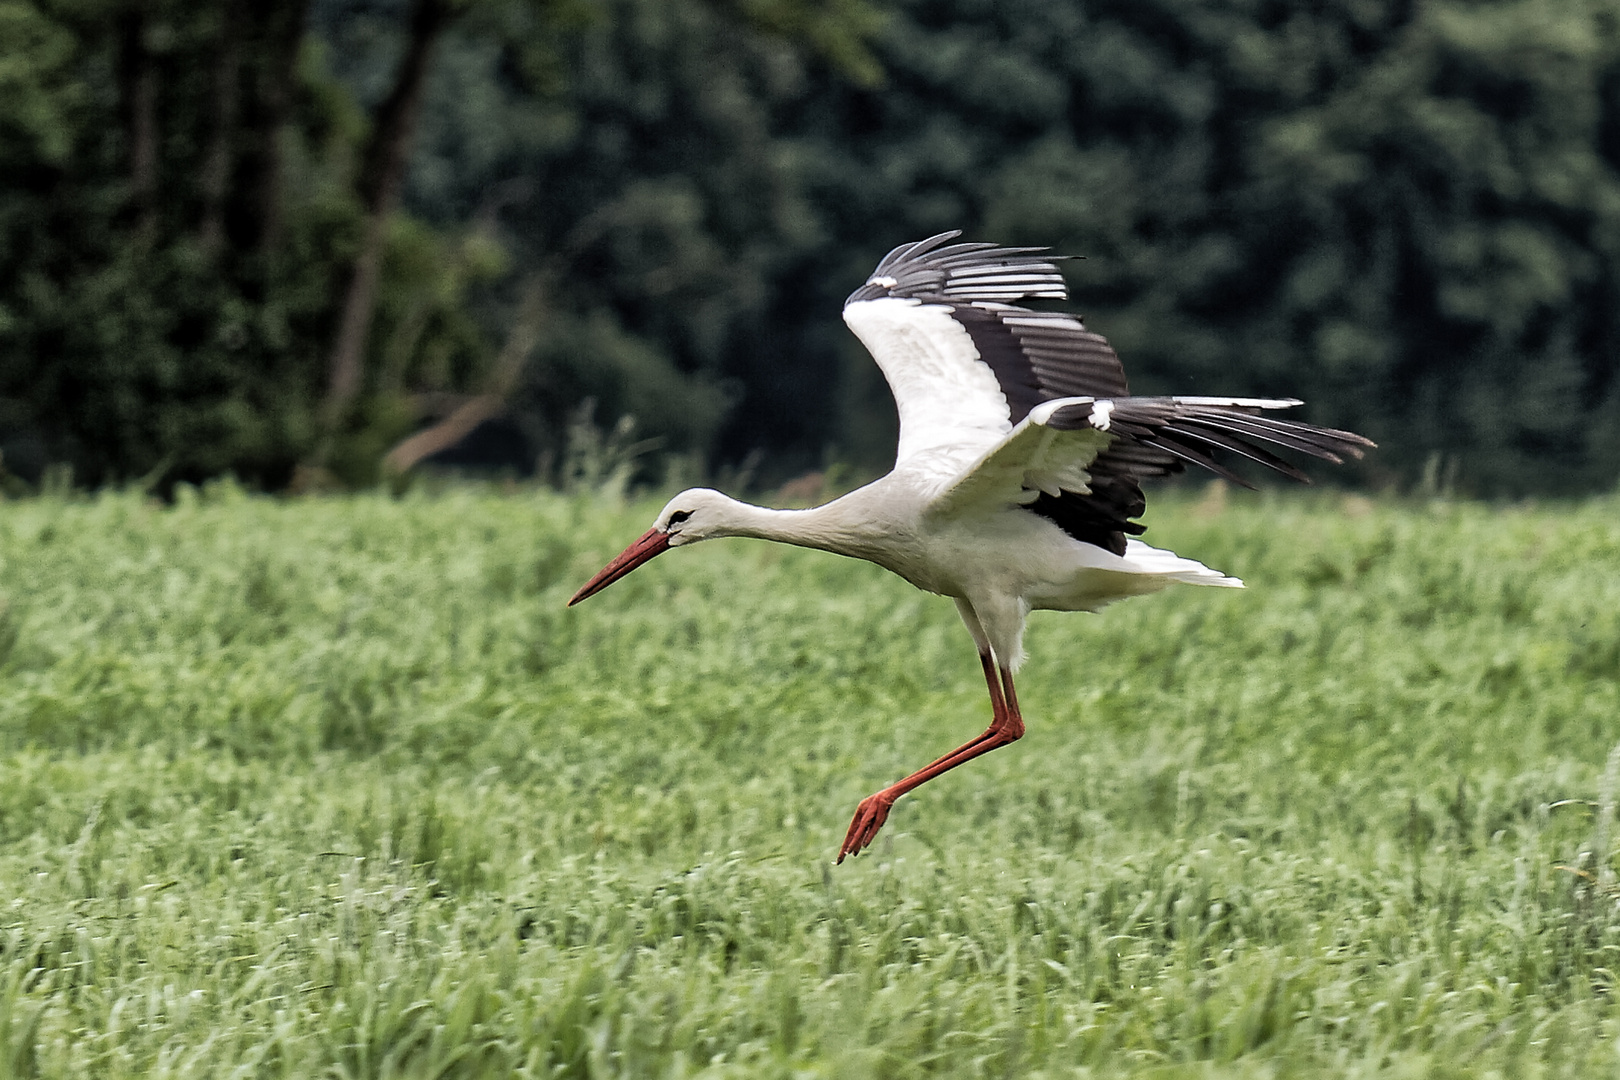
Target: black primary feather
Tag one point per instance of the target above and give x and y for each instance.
(1035, 355)
(1038, 356)
(1157, 436)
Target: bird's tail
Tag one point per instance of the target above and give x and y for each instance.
(1168, 564)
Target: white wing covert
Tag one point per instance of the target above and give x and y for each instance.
(1002, 405)
(964, 364)
(1076, 461)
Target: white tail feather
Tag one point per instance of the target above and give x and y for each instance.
(1168, 564)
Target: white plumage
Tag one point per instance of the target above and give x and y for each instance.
(951, 407)
(1018, 470)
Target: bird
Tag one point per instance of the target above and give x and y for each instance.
(1017, 476)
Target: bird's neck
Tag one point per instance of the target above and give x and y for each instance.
(822, 527)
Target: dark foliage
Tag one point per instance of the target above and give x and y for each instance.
(1407, 214)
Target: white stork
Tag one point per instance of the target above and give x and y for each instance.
(1017, 475)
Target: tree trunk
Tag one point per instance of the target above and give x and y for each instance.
(271, 34)
(501, 380)
(138, 85)
(381, 176)
(534, 306)
(442, 435)
(215, 177)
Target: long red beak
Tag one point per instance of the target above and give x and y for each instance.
(653, 542)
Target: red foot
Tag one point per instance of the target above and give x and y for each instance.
(1005, 727)
(869, 818)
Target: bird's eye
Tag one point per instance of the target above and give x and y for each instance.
(679, 516)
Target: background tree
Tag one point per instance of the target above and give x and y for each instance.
(649, 207)
(174, 229)
(244, 236)
(1403, 213)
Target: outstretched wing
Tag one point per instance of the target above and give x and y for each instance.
(1077, 461)
(1000, 405)
(963, 362)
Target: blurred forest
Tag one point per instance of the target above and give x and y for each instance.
(319, 241)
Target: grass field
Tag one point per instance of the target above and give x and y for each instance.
(337, 787)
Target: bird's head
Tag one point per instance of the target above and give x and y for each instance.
(693, 515)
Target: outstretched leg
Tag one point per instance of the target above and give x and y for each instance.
(1006, 725)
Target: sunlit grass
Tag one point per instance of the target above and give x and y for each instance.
(338, 786)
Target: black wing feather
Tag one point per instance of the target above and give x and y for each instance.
(1156, 436)
(1038, 356)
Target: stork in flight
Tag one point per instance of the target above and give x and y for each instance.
(1018, 471)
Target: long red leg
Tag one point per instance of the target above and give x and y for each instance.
(1006, 725)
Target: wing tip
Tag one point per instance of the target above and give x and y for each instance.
(965, 272)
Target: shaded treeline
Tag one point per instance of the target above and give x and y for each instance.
(204, 261)
(339, 235)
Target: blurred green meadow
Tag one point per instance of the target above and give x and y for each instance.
(337, 787)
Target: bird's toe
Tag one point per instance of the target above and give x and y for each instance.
(869, 818)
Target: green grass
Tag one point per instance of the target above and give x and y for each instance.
(338, 787)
